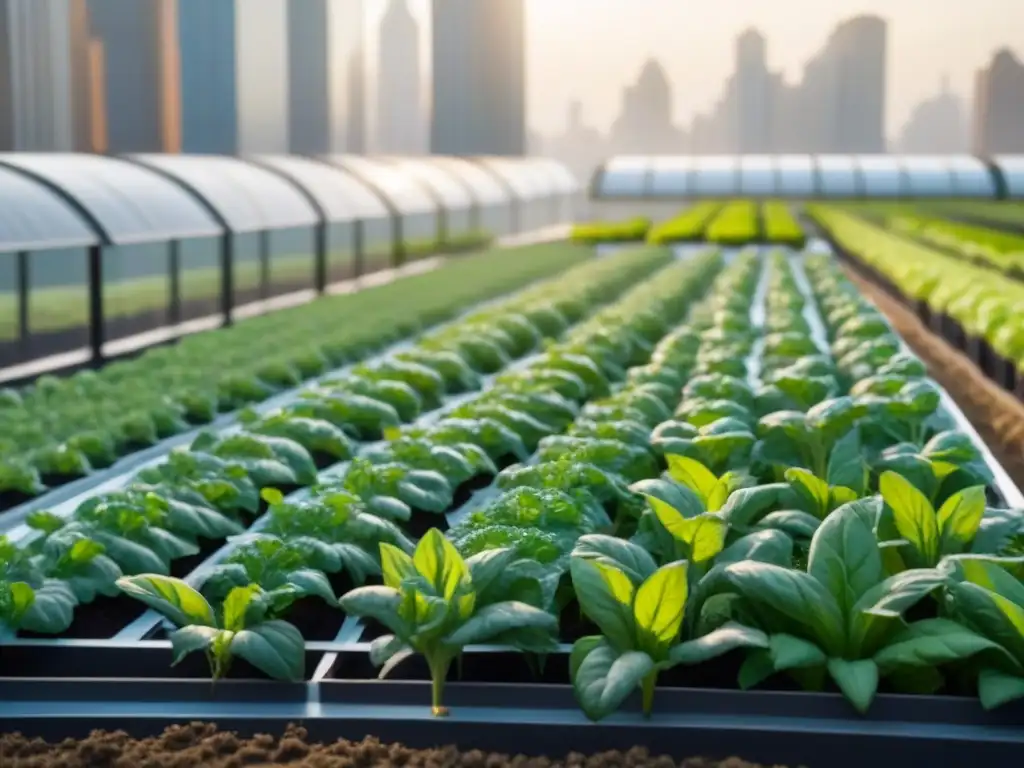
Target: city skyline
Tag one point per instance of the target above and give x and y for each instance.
(695, 45)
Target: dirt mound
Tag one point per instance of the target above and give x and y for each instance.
(202, 745)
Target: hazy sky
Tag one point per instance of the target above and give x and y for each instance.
(590, 49)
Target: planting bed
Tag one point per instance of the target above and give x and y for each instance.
(64, 429)
(725, 506)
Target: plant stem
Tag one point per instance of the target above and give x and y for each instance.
(647, 688)
(438, 673)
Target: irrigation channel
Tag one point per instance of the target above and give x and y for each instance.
(65, 687)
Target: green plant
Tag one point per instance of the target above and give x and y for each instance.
(430, 601)
(237, 629)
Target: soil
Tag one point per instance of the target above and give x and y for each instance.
(995, 413)
(202, 745)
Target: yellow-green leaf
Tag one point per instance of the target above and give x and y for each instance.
(396, 565)
(440, 563)
(693, 475)
(960, 517)
(913, 515)
(660, 603)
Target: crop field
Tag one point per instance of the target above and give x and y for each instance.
(696, 489)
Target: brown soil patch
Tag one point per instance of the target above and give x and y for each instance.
(995, 413)
(202, 745)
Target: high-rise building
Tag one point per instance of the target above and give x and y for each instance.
(752, 127)
(6, 79)
(43, 50)
(999, 106)
(209, 76)
(309, 83)
(936, 126)
(644, 124)
(479, 92)
(347, 56)
(858, 51)
(141, 79)
(400, 128)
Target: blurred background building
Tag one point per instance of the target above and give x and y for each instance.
(450, 76)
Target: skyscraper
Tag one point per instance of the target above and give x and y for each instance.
(753, 95)
(40, 50)
(400, 125)
(858, 49)
(209, 72)
(309, 88)
(936, 126)
(999, 106)
(347, 56)
(479, 104)
(141, 80)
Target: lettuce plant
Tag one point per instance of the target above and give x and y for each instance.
(288, 570)
(985, 596)
(238, 628)
(640, 625)
(839, 616)
(429, 602)
(926, 535)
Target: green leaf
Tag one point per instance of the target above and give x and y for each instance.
(693, 475)
(396, 565)
(794, 594)
(932, 642)
(703, 535)
(606, 596)
(274, 647)
(844, 554)
(379, 603)
(858, 680)
(813, 492)
(84, 550)
(440, 563)
(236, 604)
(172, 597)
(719, 642)
(959, 519)
(605, 678)
(52, 609)
(791, 652)
(659, 606)
(913, 515)
(996, 688)
(502, 617)
(22, 596)
(631, 559)
(881, 607)
(846, 467)
(192, 638)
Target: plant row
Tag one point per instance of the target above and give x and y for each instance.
(780, 226)
(354, 521)
(983, 302)
(824, 524)
(175, 509)
(687, 227)
(739, 222)
(992, 248)
(596, 232)
(63, 428)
